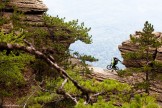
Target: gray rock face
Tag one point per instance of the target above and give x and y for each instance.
(127, 46)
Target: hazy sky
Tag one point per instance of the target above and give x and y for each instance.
(112, 21)
(76, 6)
(99, 10)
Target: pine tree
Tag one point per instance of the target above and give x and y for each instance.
(145, 42)
(53, 85)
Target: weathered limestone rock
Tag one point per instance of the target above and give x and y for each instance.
(159, 50)
(127, 46)
(33, 11)
(27, 5)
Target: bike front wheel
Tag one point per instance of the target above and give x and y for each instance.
(109, 67)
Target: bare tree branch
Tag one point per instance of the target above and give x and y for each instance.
(11, 106)
(45, 90)
(30, 49)
(62, 92)
(63, 83)
(74, 99)
(29, 98)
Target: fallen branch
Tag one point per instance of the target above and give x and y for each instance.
(45, 90)
(11, 106)
(58, 91)
(50, 60)
(62, 92)
(63, 83)
(29, 98)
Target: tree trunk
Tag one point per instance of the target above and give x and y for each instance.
(147, 82)
(1, 102)
(147, 73)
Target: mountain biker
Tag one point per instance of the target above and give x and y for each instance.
(114, 62)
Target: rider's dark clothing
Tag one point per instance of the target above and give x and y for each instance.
(115, 62)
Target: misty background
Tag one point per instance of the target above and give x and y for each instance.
(111, 22)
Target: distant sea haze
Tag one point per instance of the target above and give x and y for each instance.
(112, 21)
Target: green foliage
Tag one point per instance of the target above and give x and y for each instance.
(157, 66)
(47, 45)
(88, 58)
(12, 63)
(83, 61)
(39, 98)
(2, 5)
(36, 106)
(142, 102)
(137, 102)
(105, 86)
(12, 38)
(52, 84)
(147, 39)
(69, 29)
(43, 70)
(43, 40)
(11, 67)
(55, 40)
(115, 93)
(50, 97)
(46, 97)
(143, 56)
(3, 21)
(99, 104)
(138, 55)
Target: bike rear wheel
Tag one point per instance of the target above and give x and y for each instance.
(109, 67)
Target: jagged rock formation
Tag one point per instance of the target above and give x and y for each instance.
(127, 46)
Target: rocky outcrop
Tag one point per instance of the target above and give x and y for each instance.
(32, 16)
(127, 46)
(27, 6)
(33, 11)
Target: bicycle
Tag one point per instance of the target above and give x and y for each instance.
(109, 67)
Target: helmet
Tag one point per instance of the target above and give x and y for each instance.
(114, 57)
